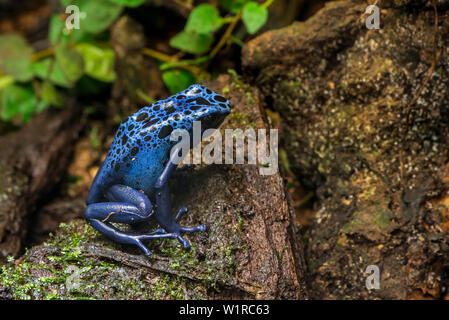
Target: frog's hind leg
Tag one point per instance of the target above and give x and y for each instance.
(163, 213)
(127, 206)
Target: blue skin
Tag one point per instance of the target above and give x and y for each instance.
(138, 166)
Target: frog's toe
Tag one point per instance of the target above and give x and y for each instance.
(159, 231)
(200, 228)
(184, 242)
(181, 211)
(144, 249)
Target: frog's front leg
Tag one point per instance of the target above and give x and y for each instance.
(163, 214)
(126, 205)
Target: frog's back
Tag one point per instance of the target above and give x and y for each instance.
(138, 152)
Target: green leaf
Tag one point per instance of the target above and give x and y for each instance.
(98, 61)
(76, 35)
(70, 62)
(95, 16)
(15, 57)
(204, 19)
(19, 100)
(57, 76)
(177, 80)
(129, 3)
(54, 28)
(51, 95)
(232, 5)
(192, 42)
(6, 81)
(254, 16)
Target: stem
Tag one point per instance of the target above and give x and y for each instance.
(172, 62)
(226, 35)
(183, 63)
(42, 54)
(227, 20)
(145, 97)
(186, 4)
(268, 3)
(237, 41)
(304, 200)
(158, 55)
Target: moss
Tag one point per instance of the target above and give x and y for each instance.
(249, 98)
(168, 286)
(239, 225)
(60, 270)
(382, 218)
(342, 241)
(180, 259)
(242, 119)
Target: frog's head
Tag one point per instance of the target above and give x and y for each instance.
(198, 103)
(153, 125)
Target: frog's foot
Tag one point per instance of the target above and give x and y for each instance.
(127, 237)
(181, 212)
(180, 229)
(199, 228)
(184, 242)
(175, 228)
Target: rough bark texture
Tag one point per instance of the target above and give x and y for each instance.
(367, 129)
(31, 163)
(247, 251)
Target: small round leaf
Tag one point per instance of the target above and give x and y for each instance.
(19, 100)
(70, 62)
(254, 16)
(178, 80)
(191, 42)
(204, 19)
(57, 76)
(15, 57)
(93, 16)
(98, 61)
(51, 95)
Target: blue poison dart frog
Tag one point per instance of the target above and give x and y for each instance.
(138, 166)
